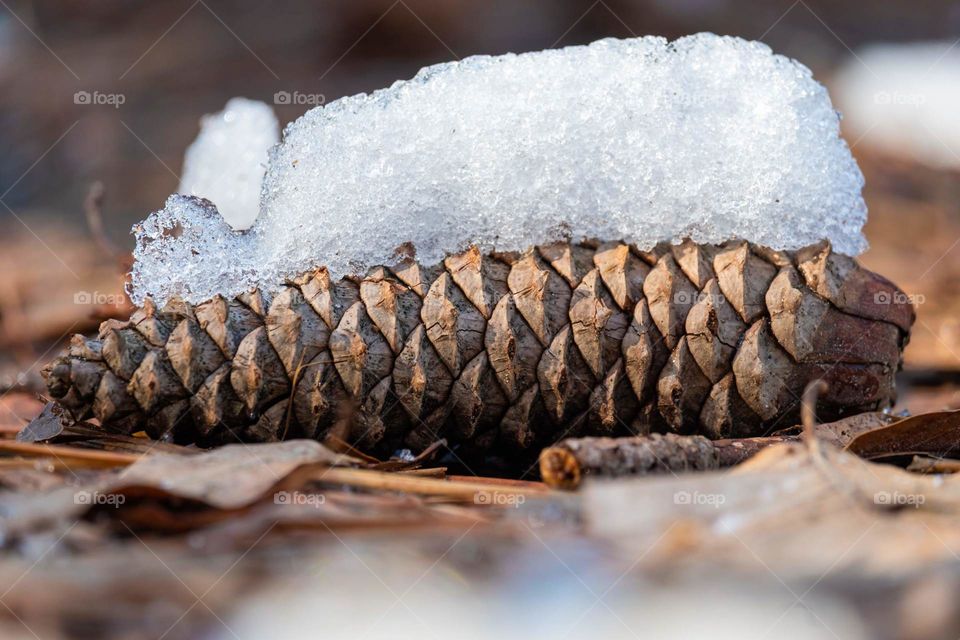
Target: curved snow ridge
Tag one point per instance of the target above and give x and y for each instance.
(641, 140)
(227, 161)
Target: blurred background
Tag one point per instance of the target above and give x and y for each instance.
(113, 91)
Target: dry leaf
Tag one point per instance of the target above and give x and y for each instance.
(802, 513)
(230, 477)
(45, 426)
(936, 433)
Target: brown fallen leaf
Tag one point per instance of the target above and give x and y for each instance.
(229, 477)
(936, 434)
(45, 426)
(801, 516)
(841, 432)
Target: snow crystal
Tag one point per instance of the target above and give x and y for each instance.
(643, 140)
(187, 249)
(226, 163)
(902, 99)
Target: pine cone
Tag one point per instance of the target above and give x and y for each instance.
(505, 350)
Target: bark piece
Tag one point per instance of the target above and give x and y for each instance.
(564, 466)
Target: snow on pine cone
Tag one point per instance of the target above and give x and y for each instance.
(504, 351)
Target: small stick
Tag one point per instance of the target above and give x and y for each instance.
(564, 465)
(397, 465)
(47, 464)
(433, 472)
(385, 481)
(93, 457)
(926, 464)
(335, 443)
(506, 483)
(808, 414)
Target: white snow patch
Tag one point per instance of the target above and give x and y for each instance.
(902, 99)
(226, 163)
(643, 140)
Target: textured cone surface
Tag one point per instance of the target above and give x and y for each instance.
(505, 352)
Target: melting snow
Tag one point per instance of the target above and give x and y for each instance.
(644, 140)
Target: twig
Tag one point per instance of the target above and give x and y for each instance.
(399, 465)
(564, 465)
(336, 443)
(926, 464)
(100, 458)
(808, 415)
(506, 483)
(808, 419)
(432, 472)
(384, 481)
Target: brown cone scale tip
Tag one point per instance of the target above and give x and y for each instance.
(504, 353)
